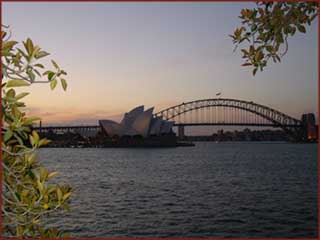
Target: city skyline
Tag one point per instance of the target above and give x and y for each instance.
(120, 55)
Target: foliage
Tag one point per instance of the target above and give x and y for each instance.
(268, 27)
(27, 194)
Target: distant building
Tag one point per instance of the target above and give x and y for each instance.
(308, 119)
(310, 129)
(137, 122)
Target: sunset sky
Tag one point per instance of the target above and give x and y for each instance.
(120, 55)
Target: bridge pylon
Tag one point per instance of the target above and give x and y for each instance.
(181, 135)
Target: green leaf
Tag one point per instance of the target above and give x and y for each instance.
(17, 83)
(245, 52)
(39, 65)
(279, 38)
(6, 53)
(18, 138)
(251, 50)
(65, 196)
(47, 72)
(22, 95)
(8, 45)
(31, 174)
(43, 174)
(31, 140)
(35, 136)
(30, 120)
(293, 31)
(36, 50)
(258, 56)
(11, 93)
(41, 54)
(25, 192)
(40, 185)
(31, 75)
(59, 194)
(7, 135)
(18, 196)
(22, 53)
(64, 84)
(44, 141)
(37, 72)
(269, 48)
(254, 71)
(301, 28)
(55, 64)
(29, 46)
(52, 174)
(51, 75)
(53, 84)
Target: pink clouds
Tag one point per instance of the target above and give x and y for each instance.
(71, 116)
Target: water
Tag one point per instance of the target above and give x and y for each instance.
(210, 190)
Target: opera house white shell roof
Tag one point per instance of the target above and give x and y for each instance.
(137, 122)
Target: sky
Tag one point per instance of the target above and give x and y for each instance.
(121, 55)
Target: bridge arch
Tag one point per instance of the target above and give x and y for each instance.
(277, 118)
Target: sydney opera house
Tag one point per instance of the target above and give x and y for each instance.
(137, 122)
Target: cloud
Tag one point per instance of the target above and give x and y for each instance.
(70, 116)
(75, 116)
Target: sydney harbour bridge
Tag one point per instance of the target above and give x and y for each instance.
(228, 112)
(217, 112)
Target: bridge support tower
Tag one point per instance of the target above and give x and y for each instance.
(181, 132)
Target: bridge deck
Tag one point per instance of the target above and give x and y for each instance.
(97, 127)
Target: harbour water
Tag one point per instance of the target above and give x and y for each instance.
(210, 190)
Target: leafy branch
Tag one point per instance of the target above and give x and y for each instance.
(27, 195)
(266, 29)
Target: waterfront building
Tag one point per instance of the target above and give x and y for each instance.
(137, 122)
(309, 127)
